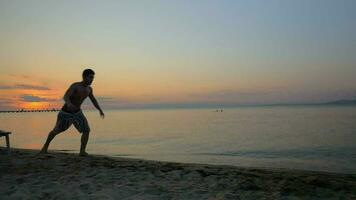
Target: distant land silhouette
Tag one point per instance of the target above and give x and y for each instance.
(337, 102)
(342, 102)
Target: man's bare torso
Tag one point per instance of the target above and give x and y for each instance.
(80, 93)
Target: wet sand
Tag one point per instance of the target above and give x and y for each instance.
(61, 175)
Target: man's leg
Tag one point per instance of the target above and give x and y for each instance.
(61, 125)
(81, 124)
(83, 145)
(50, 137)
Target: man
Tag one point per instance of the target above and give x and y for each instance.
(71, 112)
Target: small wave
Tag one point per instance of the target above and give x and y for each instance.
(133, 141)
(337, 153)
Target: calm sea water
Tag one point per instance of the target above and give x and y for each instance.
(321, 138)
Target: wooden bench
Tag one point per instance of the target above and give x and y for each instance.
(6, 134)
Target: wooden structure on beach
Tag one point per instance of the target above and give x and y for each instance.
(6, 135)
(24, 111)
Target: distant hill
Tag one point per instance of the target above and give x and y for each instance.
(342, 102)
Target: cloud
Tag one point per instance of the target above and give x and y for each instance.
(6, 87)
(108, 102)
(226, 94)
(33, 98)
(5, 101)
(31, 87)
(274, 96)
(103, 98)
(20, 76)
(23, 86)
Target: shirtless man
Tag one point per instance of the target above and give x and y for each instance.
(71, 112)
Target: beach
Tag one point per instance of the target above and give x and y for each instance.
(25, 174)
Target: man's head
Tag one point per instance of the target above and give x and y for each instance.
(88, 76)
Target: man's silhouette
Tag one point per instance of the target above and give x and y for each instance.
(71, 112)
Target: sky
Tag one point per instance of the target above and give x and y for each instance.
(175, 53)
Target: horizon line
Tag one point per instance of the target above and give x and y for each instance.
(216, 106)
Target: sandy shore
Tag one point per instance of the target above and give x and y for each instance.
(58, 175)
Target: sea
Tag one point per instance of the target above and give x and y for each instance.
(316, 138)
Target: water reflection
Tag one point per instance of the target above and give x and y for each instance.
(257, 136)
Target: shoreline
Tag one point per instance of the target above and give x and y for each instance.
(63, 175)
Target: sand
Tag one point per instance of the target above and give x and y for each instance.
(60, 175)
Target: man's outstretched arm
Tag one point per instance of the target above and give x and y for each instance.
(95, 103)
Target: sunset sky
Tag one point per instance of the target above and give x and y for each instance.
(154, 53)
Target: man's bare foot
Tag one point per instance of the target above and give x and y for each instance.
(43, 152)
(83, 154)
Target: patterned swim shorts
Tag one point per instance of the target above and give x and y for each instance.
(65, 120)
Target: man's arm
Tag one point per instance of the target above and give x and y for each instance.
(95, 102)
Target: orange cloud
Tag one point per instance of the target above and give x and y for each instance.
(28, 96)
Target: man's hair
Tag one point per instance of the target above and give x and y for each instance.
(87, 72)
